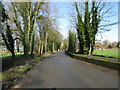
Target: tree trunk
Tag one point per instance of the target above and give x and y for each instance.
(9, 45)
(41, 52)
(92, 45)
(53, 47)
(33, 42)
(40, 48)
(45, 42)
(13, 54)
(26, 46)
(87, 28)
(18, 50)
(26, 51)
(33, 36)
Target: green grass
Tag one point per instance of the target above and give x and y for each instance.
(14, 72)
(9, 54)
(111, 63)
(11, 74)
(107, 53)
(16, 53)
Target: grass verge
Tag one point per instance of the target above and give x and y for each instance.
(10, 76)
(111, 53)
(100, 61)
(8, 54)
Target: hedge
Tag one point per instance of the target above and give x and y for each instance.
(103, 62)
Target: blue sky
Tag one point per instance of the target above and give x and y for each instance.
(64, 23)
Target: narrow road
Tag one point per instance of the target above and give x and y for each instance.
(61, 71)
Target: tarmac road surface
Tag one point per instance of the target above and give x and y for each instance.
(61, 71)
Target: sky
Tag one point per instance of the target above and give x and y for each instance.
(64, 9)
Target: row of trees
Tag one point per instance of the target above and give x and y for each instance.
(32, 25)
(88, 23)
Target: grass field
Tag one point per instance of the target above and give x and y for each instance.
(9, 54)
(107, 53)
